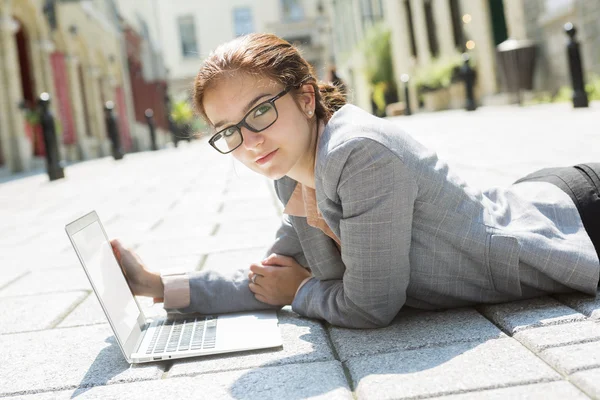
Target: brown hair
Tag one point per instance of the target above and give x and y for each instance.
(269, 56)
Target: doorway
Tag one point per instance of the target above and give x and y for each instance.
(33, 128)
(498, 18)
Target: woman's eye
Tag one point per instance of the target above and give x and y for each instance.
(229, 131)
(261, 110)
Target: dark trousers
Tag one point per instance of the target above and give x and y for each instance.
(582, 183)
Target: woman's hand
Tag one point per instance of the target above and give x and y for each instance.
(142, 281)
(278, 278)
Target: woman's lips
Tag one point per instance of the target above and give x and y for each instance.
(266, 158)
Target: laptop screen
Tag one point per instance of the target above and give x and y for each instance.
(108, 279)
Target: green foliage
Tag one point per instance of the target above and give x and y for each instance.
(182, 113)
(593, 88)
(565, 93)
(32, 117)
(439, 73)
(379, 90)
(377, 49)
(379, 69)
(199, 127)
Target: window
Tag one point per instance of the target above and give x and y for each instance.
(187, 33)
(434, 47)
(367, 13)
(242, 21)
(556, 6)
(457, 25)
(292, 10)
(411, 28)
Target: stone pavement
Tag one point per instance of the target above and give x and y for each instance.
(192, 207)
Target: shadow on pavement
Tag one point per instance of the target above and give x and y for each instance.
(104, 368)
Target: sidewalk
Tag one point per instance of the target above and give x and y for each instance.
(193, 208)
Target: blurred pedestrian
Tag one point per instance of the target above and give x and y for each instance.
(373, 220)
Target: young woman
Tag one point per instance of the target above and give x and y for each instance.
(373, 220)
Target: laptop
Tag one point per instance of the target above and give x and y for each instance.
(145, 339)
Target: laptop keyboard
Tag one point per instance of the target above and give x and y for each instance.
(184, 334)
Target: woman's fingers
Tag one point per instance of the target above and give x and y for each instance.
(262, 298)
(116, 246)
(259, 269)
(253, 278)
(278, 259)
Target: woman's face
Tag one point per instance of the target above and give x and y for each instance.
(278, 150)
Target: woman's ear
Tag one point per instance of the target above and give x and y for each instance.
(307, 97)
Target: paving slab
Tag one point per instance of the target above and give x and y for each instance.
(321, 380)
(570, 359)
(9, 275)
(160, 232)
(51, 280)
(526, 314)
(587, 305)
(541, 391)
(41, 258)
(304, 341)
(588, 381)
(412, 330)
(250, 226)
(43, 361)
(187, 262)
(454, 369)
(539, 339)
(248, 205)
(31, 313)
(88, 312)
(205, 245)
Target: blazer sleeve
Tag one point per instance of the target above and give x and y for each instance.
(216, 292)
(376, 194)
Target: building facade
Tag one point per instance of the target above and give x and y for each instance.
(188, 32)
(425, 31)
(543, 22)
(77, 52)
(147, 74)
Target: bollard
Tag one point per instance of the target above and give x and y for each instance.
(151, 126)
(173, 129)
(113, 130)
(405, 78)
(53, 165)
(468, 75)
(580, 98)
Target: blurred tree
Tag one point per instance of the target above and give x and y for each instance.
(379, 69)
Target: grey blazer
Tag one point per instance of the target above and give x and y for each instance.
(412, 233)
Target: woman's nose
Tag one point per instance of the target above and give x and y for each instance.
(251, 139)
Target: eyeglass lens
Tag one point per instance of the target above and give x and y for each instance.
(258, 119)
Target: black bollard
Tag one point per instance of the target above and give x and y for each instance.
(580, 98)
(405, 78)
(468, 75)
(113, 130)
(53, 164)
(151, 126)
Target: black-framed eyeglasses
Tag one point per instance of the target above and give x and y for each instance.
(256, 120)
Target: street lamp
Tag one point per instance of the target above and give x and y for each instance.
(405, 78)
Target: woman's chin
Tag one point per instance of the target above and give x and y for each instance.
(271, 173)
